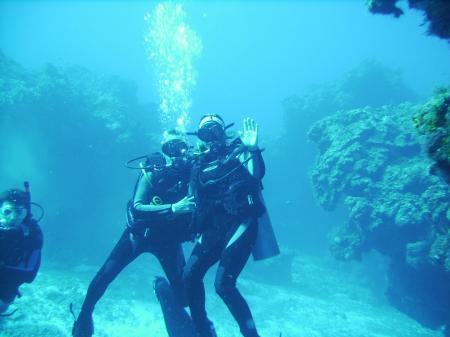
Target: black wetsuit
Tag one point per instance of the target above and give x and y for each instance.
(20, 258)
(157, 231)
(227, 197)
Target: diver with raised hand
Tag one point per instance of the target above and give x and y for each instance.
(20, 245)
(159, 218)
(226, 183)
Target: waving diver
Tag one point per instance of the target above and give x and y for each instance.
(226, 184)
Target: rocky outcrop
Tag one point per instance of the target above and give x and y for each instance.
(371, 160)
(436, 13)
(433, 121)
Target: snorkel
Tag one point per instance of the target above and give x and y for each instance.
(26, 186)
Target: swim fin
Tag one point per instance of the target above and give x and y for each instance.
(83, 325)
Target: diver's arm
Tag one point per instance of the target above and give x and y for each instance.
(252, 156)
(142, 197)
(254, 162)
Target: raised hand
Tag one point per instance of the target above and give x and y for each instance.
(249, 136)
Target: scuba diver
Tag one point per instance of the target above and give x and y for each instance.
(20, 245)
(159, 218)
(226, 184)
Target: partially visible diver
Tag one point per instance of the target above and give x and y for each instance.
(226, 184)
(159, 217)
(21, 242)
(177, 320)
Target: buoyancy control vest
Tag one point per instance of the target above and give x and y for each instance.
(224, 184)
(164, 186)
(16, 245)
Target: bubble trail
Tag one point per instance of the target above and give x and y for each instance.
(172, 46)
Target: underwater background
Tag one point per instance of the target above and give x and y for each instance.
(353, 110)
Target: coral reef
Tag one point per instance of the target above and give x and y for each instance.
(69, 131)
(370, 83)
(436, 13)
(71, 94)
(433, 121)
(371, 159)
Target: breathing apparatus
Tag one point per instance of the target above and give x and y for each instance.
(152, 162)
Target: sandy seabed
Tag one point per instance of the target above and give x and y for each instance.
(322, 299)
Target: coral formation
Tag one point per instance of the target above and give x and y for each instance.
(370, 83)
(436, 13)
(433, 121)
(63, 129)
(371, 159)
(73, 93)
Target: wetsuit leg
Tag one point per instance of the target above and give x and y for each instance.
(8, 293)
(232, 261)
(203, 256)
(171, 258)
(123, 253)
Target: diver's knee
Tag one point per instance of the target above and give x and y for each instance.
(106, 273)
(224, 284)
(224, 287)
(220, 289)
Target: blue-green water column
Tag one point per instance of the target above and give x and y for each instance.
(172, 47)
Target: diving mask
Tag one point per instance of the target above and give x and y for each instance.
(211, 128)
(175, 148)
(11, 215)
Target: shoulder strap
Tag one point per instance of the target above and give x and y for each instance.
(145, 173)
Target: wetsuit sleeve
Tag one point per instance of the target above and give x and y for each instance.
(258, 158)
(256, 164)
(26, 270)
(143, 197)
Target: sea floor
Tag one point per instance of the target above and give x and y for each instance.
(319, 298)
